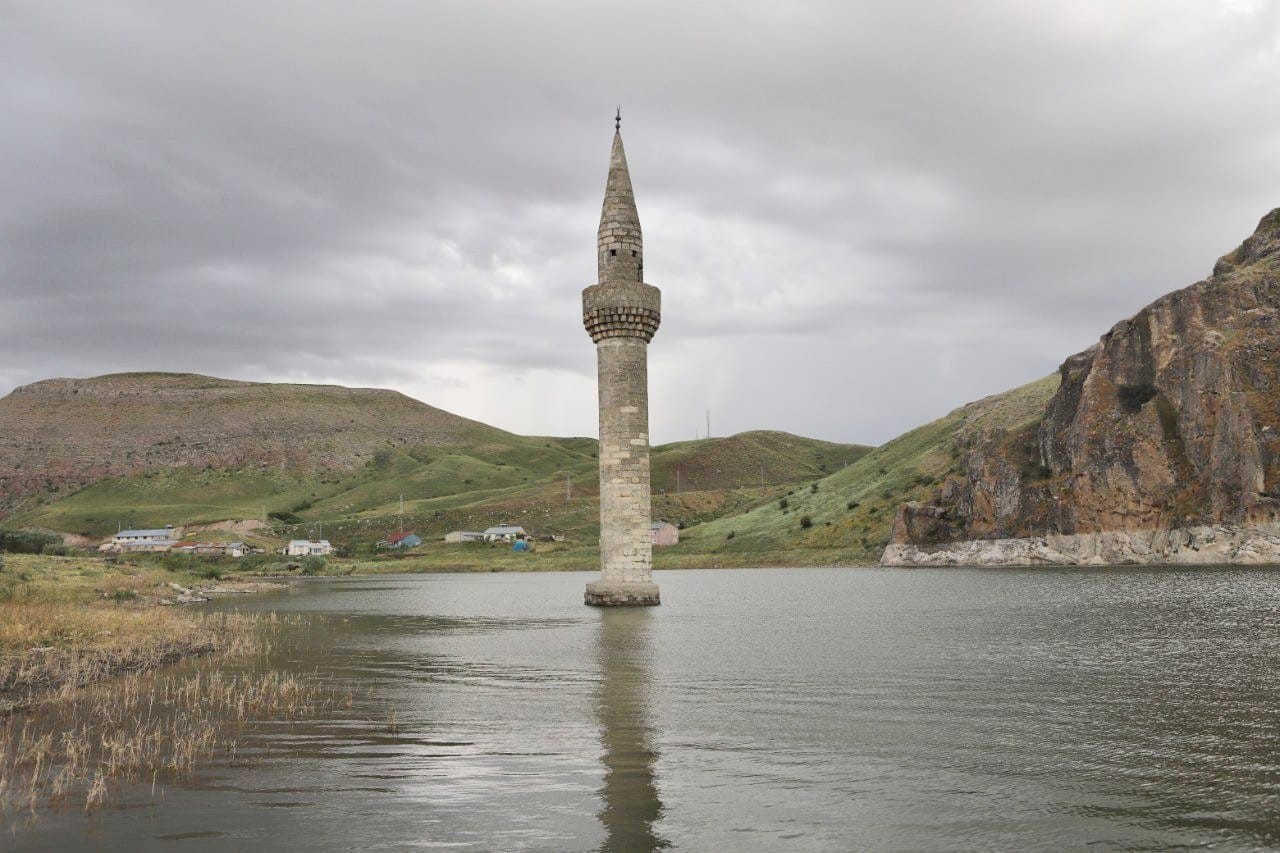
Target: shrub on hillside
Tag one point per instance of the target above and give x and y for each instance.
(313, 564)
(176, 561)
(805, 522)
(852, 505)
(55, 549)
(783, 504)
(26, 541)
(254, 562)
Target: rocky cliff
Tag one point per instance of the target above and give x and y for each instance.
(1171, 421)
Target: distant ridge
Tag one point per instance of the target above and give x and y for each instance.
(63, 433)
(84, 455)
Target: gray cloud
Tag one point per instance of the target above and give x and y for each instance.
(861, 215)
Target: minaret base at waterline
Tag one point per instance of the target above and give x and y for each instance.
(621, 314)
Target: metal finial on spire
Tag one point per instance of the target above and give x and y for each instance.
(617, 119)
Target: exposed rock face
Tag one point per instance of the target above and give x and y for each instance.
(69, 432)
(1171, 421)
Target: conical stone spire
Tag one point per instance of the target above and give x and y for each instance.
(620, 244)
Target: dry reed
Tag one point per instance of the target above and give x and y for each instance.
(69, 744)
(46, 647)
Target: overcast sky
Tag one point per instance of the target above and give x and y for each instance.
(860, 214)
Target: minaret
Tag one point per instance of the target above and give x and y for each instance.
(621, 314)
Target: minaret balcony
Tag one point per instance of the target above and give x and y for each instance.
(621, 311)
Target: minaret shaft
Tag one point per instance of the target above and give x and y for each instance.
(625, 549)
(621, 314)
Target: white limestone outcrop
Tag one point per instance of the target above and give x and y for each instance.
(1218, 544)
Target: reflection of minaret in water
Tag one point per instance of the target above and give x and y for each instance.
(631, 804)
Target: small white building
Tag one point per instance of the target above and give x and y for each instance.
(504, 533)
(308, 548)
(158, 539)
(464, 536)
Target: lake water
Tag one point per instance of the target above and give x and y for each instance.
(815, 709)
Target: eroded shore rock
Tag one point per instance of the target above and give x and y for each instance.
(1216, 544)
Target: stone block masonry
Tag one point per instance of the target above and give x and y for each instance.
(621, 314)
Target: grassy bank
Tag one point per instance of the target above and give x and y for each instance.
(83, 579)
(47, 648)
(66, 622)
(79, 747)
(87, 699)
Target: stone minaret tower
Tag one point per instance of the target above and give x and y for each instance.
(621, 314)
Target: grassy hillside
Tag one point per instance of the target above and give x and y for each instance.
(59, 435)
(342, 460)
(750, 458)
(851, 511)
(740, 499)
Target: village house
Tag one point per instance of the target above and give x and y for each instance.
(664, 533)
(401, 540)
(159, 539)
(210, 549)
(464, 536)
(308, 548)
(504, 533)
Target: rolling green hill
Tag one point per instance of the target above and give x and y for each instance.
(155, 449)
(851, 511)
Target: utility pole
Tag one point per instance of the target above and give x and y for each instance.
(708, 423)
(402, 512)
(762, 476)
(677, 479)
(568, 487)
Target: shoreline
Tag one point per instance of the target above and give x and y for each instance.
(1214, 545)
(67, 623)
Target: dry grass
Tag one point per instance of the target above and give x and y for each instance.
(74, 745)
(88, 701)
(46, 646)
